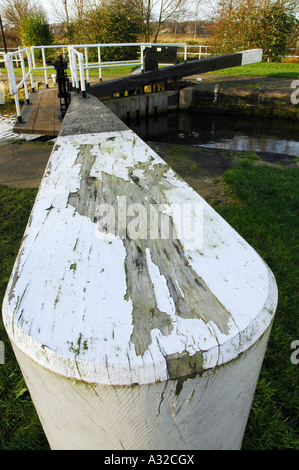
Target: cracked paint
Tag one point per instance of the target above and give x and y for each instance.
(192, 299)
(136, 304)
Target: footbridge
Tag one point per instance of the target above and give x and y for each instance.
(44, 109)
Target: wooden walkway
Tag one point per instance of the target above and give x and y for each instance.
(41, 116)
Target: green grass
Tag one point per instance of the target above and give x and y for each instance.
(263, 69)
(20, 428)
(106, 72)
(265, 213)
(264, 210)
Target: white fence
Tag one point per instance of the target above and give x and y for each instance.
(16, 59)
(79, 63)
(14, 87)
(293, 54)
(200, 52)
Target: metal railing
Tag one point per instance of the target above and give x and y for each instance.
(78, 79)
(16, 60)
(100, 64)
(79, 64)
(14, 87)
(198, 51)
(293, 53)
(84, 65)
(45, 67)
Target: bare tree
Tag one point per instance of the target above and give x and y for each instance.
(196, 9)
(15, 10)
(158, 11)
(67, 11)
(79, 7)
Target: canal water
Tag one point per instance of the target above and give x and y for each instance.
(7, 119)
(241, 133)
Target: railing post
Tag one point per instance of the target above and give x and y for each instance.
(12, 84)
(99, 58)
(21, 55)
(75, 70)
(45, 66)
(142, 58)
(86, 64)
(33, 58)
(70, 54)
(30, 69)
(82, 77)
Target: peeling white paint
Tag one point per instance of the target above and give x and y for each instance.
(75, 316)
(178, 330)
(164, 300)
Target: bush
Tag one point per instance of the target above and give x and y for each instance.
(113, 21)
(35, 31)
(245, 24)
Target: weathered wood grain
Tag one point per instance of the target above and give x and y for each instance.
(131, 331)
(41, 116)
(110, 307)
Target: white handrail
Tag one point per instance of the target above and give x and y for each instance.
(100, 64)
(198, 52)
(73, 53)
(14, 87)
(78, 70)
(45, 67)
(2, 54)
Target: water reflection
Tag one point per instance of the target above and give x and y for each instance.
(8, 117)
(262, 144)
(7, 120)
(243, 133)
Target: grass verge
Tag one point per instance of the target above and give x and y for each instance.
(106, 71)
(265, 212)
(263, 69)
(263, 209)
(20, 428)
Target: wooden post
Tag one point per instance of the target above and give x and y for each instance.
(138, 316)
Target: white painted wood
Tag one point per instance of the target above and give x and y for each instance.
(87, 305)
(252, 56)
(206, 412)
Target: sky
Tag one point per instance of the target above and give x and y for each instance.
(48, 5)
(206, 9)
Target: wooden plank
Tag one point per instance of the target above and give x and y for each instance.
(41, 115)
(174, 72)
